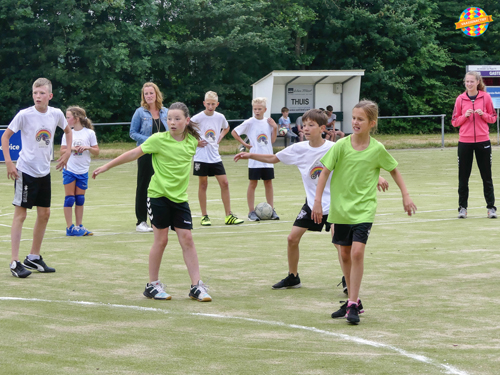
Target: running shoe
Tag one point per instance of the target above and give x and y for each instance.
(199, 292)
(352, 315)
(69, 231)
(344, 285)
(275, 215)
(156, 291)
(492, 213)
(289, 282)
(341, 313)
(17, 269)
(143, 227)
(87, 232)
(252, 216)
(462, 213)
(205, 221)
(232, 220)
(38, 264)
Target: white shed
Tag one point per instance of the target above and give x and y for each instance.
(301, 90)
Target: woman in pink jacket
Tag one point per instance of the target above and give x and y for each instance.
(472, 113)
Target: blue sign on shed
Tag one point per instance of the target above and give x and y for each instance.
(15, 146)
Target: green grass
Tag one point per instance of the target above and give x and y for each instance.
(430, 286)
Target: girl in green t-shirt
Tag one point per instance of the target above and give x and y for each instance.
(172, 152)
(356, 162)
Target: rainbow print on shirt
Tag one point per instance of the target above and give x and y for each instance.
(315, 172)
(43, 136)
(262, 138)
(210, 135)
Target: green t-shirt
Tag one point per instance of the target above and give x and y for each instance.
(355, 176)
(171, 163)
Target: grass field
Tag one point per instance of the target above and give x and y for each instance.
(430, 287)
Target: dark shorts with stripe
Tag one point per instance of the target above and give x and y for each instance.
(304, 220)
(346, 234)
(165, 213)
(208, 169)
(261, 174)
(32, 191)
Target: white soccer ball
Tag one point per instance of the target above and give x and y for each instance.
(282, 132)
(264, 211)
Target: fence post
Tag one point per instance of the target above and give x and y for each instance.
(442, 131)
(498, 131)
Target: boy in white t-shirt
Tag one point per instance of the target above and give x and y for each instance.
(261, 133)
(213, 127)
(306, 156)
(32, 172)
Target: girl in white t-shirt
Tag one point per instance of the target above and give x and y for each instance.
(75, 175)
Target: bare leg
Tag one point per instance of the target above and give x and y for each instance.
(79, 209)
(353, 261)
(16, 230)
(189, 254)
(224, 192)
(42, 218)
(293, 249)
(251, 195)
(69, 189)
(268, 185)
(202, 193)
(156, 252)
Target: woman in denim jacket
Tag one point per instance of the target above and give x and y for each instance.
(149, 118)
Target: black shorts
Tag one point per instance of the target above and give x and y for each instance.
(304, 220)
(208, 169)
(164, 213)
(346, 234)
(32, 191)
(261, 174)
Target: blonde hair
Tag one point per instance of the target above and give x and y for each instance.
(480, 86)
(43, 82)
(81, 115)
(370, 109)
(261, 101)
(159, 96)
(192, 127)
(211, 95)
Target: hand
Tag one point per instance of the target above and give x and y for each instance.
(80, 149)
(99, 171)
(248, 145)
(242, 155)
(11, 171)
(202, 143)
(317, 213)
(409, 206)
(469, 112)
(479, 112)
(382, 185)
(62, 161)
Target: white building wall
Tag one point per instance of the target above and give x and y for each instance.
(351, 98)
(265, 89)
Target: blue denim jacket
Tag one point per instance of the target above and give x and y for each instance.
(141, 126)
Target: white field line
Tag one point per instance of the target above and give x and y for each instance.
(420, 358)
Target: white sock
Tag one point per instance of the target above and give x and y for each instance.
(33, 257)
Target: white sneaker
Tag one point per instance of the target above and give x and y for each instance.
(143, 227)
(462, 213)
(199, 292)
(492, 213)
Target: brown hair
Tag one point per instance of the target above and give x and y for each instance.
(370, 109)
(480, 86)
(159, 96)
(316, 115)
(192, 127)
(284, 109)
(43, 82)
(81, 115)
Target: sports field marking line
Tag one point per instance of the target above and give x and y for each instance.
(417, 357)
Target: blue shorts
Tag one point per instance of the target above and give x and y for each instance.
(81, 179)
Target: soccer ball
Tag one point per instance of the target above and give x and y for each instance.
(264, 211)
(282, 132)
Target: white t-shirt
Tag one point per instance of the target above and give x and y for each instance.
(80, 163)
(333, 117)
(307, 159)
(210, 129)
(259, 134)
(37, 136)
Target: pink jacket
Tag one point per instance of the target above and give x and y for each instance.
(474, 128)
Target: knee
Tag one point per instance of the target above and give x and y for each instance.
(224, 184)
(69, 201)
(357, 256)
(79, 199)
(44, 214)
(293, 240)
(20, 216)
(203, 185)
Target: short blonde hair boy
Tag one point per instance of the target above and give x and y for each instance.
(211, 95)
(43, 82)
(261, 101)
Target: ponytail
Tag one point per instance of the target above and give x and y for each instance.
(81, 115)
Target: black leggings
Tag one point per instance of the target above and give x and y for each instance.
(466, 153)
(144, 172)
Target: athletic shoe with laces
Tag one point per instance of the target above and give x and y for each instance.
(17, 269)
(69, 231)
(462, 213)
(199, 292)
(252, 216)
(275, 215)
(38, 264)
(143, 227)
(205, 221)
(232, 220)
(341, 313)
(492, 213)
(86, 231)
(156, 291)
(344, 285)
(352, 315)
(289, 282)
(77, 231)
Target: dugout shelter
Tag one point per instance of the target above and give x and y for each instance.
(301, 90)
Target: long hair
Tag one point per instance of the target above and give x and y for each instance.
(81, 115)
(480, 86)
(192, 127)
(159, 96)
(370, 109)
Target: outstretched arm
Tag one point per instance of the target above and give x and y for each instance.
(317, 211)
(265, 158)
(127, 157)
(408, 204)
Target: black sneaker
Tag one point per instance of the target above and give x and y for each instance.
(38, 264)
(289, 282)
(344, 285)
(18, 270)
(156, 292)
(352, 315)
(341, 313)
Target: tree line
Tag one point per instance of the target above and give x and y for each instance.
(98, 53)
